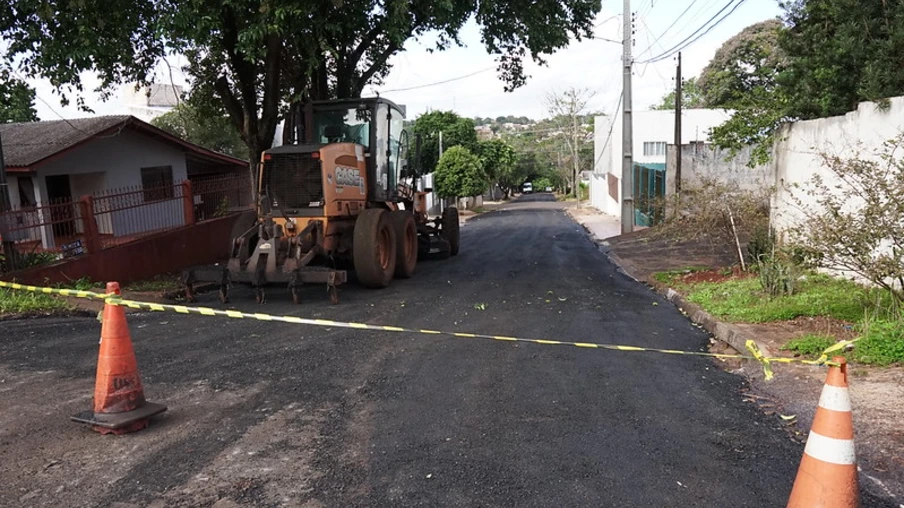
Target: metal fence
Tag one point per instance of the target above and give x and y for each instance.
(46, 233)
(40, 234)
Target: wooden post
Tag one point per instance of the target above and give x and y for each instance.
(188, 203)
(92, 235)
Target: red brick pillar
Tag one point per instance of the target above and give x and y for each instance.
(92, 235)
(188, 203)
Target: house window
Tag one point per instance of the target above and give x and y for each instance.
(157, 183)
(654, 148)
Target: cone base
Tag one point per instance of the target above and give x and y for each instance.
(120, 423)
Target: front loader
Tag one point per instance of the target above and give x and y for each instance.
(342, 198)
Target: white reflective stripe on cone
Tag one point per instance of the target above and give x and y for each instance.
(835, 398)
(831, 450)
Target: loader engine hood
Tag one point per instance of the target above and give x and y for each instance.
(292, 179)
(315, 179)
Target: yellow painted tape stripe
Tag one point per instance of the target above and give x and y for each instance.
(207, 311)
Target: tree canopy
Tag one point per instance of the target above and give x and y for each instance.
(499, 162)
(842, 52)
(744, 75)
(459, 174)
(210, 131)
(17, 100)
(691, 97)
(821, 59)
(456, 131)
(252, 59)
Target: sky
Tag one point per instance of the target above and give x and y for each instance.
(594, 65)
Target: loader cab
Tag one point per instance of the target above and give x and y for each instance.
(374, 123)
(292, 176)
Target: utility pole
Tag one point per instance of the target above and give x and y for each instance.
(574, 150)
(678, 100)
(440, 145)
(627, 218)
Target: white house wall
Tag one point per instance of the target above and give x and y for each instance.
(120, 159)
(648, 126)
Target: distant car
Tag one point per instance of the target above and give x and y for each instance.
(549, 189)
(527, 188)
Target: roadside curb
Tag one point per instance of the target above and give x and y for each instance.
(725, 332)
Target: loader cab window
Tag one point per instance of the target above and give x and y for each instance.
(346, 125)
(383, 148)
(396, 124)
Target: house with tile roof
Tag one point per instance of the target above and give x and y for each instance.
(61, 161)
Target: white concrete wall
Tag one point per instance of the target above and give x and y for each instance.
(115, 162)
(648, 126)
(704, 161)
(796, 155)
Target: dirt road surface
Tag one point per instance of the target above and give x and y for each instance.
(271, 414)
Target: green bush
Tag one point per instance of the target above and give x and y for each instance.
(761, 244)
(778, 275)
(459, 174)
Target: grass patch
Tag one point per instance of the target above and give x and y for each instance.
(810, 345)
(27, 302)
(162, 282)
(882, 342)
(672, 276)
(744, 300)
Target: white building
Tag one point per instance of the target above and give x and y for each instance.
(149, 102)
(653, 132)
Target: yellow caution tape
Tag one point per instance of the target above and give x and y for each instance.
(113, 299)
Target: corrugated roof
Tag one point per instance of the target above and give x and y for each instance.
(27, 143)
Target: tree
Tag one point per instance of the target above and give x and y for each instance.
(691, 97)
(17, 100)
(498, 159)
(568, 114)
(744, 76)
(826, 58)
(456, 131)
(842, 52)
(212, 132)
(254, 61)
(459, 174)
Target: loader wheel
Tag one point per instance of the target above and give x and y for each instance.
(374, 248)
(406, 243)
(450, 231)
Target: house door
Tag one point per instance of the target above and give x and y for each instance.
(59, 193)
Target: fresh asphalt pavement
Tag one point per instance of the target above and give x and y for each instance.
(272, 414)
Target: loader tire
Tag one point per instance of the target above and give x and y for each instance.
(450, 231)
(406, 243)
(374, 248)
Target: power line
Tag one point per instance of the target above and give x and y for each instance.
(688, 41)
(667, 29)
(425, 85)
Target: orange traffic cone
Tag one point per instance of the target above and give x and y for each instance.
(827, 477)
(119, 404)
